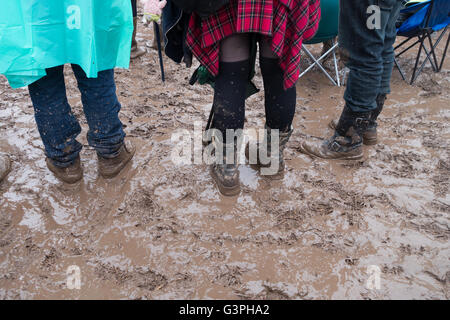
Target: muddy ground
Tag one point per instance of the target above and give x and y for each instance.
(161, 231)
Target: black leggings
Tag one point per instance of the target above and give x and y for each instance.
(231, 83)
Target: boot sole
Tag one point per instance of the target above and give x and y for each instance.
(370, 142)
(367, 142)
(347, 158)
(224, 190)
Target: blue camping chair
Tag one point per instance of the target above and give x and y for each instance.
(428, 18)
(328, 30)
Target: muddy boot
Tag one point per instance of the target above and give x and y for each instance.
(70, 174)
(5, 166)
(326, 45)
(136, 51)
(346, 143)
(109, 168)
(226, 175)
(264, 149)
(370, 136)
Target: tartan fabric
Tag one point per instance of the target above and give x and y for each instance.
(286, 22)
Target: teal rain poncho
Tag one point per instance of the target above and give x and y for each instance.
(40, 34)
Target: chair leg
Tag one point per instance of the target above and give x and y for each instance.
(399, 69)
(433, 53)
(435, 65)
(317, 62)
(445, 50)
(336, 69)
(413, 78)
(312, 65)
(411, 46)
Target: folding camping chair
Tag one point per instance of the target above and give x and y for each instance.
(428, 18)
(328, 30)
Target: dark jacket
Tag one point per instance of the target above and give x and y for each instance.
(175, 25)
(203, 7)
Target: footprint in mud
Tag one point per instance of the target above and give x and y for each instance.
(142, 206)
(264, 290)
(137, 277)
(229, 276)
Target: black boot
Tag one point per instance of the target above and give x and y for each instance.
(265, 148)
(370, 136)
(346, 143)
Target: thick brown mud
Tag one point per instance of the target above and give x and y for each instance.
(162, 231)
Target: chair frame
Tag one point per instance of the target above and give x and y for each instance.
(317, 61)
(423, 35)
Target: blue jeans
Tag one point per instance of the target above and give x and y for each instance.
(368, 52)
(57, 124)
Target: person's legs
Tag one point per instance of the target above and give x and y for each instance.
(388, 54)
(388, 62)
(279, 103)
(101, 107)
(56, 123)
(362, 43)
(280, 110)
(136, 51)
(370, 135)
(229, 108)
(231, 83)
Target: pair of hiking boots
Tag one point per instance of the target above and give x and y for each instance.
(351, 132)
(226, 175)
(108, 168)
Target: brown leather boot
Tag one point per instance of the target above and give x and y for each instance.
(70, 174)
(346, 143)
(109, 168)
(264, 149)
(348, 147)
(370, 135)
(226, 175)
(5, 166)
(136, 51)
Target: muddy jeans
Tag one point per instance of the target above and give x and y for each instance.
(366, 45)
(57, 124)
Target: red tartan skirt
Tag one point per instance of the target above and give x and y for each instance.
(287, 22)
